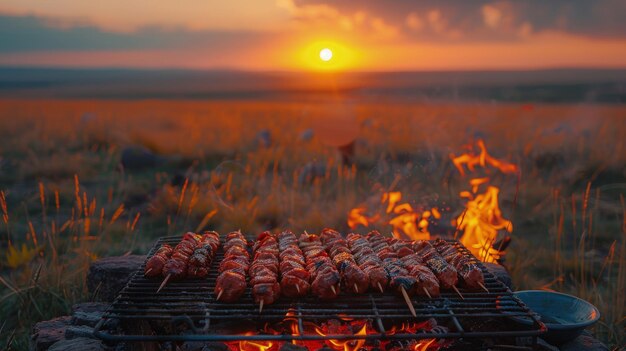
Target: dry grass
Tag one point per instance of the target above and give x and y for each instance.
(568, 236)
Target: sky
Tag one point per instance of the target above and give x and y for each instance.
(270, 35)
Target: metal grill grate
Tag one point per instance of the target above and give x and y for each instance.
(187, 311)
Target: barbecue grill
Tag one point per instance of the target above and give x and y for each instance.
(187, 310)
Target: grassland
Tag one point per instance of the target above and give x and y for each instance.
(66, 200)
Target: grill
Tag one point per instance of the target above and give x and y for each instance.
(187, 311)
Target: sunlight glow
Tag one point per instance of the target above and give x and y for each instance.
(326, 54)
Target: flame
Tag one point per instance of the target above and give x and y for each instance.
(357, 216)
(347, 345)
(423, 345)
(480, 222)
(471, 160)
(247, 345)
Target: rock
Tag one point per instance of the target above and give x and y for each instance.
(204, 346)
(291, 347)
(89, 307)
(264, 138)
(79, 331)
(78, 344)
(47, 333)
(584, 342)
(500, 272)
(138, 158)
(109, 275)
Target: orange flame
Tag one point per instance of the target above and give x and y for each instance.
(423, 345)
(483, 159)
(347, 345)
(247, 345)
(480, 222)
(357, 216)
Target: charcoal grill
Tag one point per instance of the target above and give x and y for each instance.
(187, 311)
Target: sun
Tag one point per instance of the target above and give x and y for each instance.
(326, 54)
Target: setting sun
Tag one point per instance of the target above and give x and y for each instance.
(326, 54)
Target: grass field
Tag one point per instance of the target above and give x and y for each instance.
(66, 200)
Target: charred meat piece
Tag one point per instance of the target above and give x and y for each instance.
(202, 257)
(154, 266)
(445, 272)
(324, 275)
(471, 275)
(368, 261)
(426, 280)
(233, 270)
(352, 276)
(399, 276)
(176, 266)
(294, 277)
(264, 270)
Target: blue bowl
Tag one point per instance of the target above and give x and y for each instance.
(565, 316)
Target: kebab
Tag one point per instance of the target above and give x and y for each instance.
(325, 278)
(368, 261)
(231, 280)
(154, 266)
(294, 277)
(445, 272)
(399, 276)
(427, 282)
(176, 265)
(264, 270)
(202, 257)
(351, 274)
(469, 272)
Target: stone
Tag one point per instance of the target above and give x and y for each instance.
(107, 276)
(138, 158)
(89, 307)
(88, 313)
(47, 333)
(500, 272)
(291, 347)
(584, 342)
(78, 344)
(79, 331)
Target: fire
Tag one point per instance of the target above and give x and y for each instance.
(347, 345)
(423, 345)
(482, 219)
(247, 345)
(404, 220)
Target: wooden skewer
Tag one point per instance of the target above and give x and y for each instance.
(298, 288)
(380, 287)
(164, 282)
(332, 287)
(356, 289)
(261, 307)
(482, 286)
(219, 295)
(408, 301)
(148, 271)
(427, 293)
(458, 292)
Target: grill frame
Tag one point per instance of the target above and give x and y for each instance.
(201, 311)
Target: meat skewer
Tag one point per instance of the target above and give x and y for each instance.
(202, 257)
(233, 270)
(324, 275)
(264, 270)
(427, 282)
(352, 275)
(294, 277)
(469, 272)
(445, 272)
(176, 266)
(154, 266)
(368, 261)
(399, 277)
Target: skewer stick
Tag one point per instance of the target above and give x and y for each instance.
(332, 287)
(298, 288)
(380, 287)
(148, 271)
(458, 292)
(356, 289)
(219, 295)
(164, 282)
(408, 301)
(427, 293)
(261, 306)
(482, 286)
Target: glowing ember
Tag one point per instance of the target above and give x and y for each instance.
(245, 345)
(423, 345)
(347, 345)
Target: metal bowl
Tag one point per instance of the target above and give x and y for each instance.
(565, 316)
